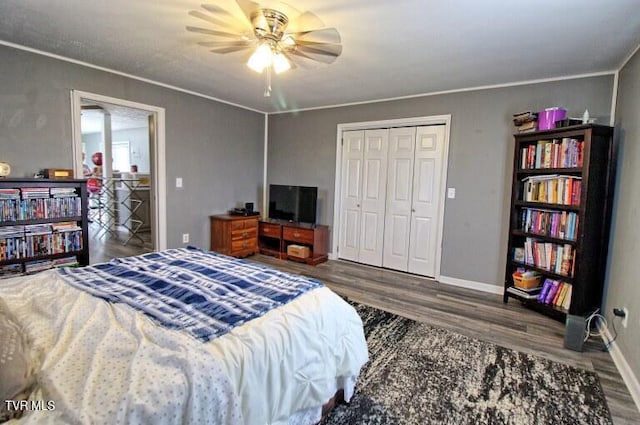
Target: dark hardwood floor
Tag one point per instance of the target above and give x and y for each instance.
(103, 247)
(472, 313)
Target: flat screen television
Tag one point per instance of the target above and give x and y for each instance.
(293, 203)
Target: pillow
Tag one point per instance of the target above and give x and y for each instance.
(16, 369)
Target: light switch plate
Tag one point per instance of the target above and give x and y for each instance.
(178, 182)
(451, 193)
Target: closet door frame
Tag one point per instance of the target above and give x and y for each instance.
(402, 122)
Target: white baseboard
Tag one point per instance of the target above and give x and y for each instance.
(623, 367)
(469, 284)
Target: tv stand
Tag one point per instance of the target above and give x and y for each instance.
(274, 238)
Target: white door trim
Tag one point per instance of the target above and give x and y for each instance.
(402, 122)
(160, 187)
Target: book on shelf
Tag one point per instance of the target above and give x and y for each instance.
(66, 262)
(554, 257)
(566, 302)
(524, 117)
(556, 293)
(527, 294)
(552, 292)
(527, 126)
(9, 193)
(552, 189)
(61, 192)
(518, 254)
(556, 153)
(12, 242)
(65, 226)
(34, 192)
(36, 266)
(545, 222)
(546, 286)
(10, 270)
(561, 294)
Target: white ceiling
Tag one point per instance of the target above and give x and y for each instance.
(92, 117)
(390, 48)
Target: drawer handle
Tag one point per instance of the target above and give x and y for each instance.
(266, 230)
(245, 246)
(296, 234)
(245, 234)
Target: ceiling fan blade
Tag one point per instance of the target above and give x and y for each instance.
(324, 35)
(230, 43)
(216, 33)
(319, 48)
(248, 7)
(229, 49)
(233, 26)
(318, 57)
(303, 61)
(305, 21)
(227, 46)
(217, 10)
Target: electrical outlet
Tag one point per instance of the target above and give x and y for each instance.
(185, 238)
(625, 319)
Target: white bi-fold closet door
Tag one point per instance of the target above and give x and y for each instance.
(364, 185)
(391, 197)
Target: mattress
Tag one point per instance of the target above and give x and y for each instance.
(101, 362)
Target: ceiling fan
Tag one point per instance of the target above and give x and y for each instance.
(280, 37)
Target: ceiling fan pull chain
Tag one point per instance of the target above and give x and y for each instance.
(267, 82)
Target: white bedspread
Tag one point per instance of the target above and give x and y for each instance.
(104, 363)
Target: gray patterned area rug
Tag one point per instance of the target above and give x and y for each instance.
(418, 374)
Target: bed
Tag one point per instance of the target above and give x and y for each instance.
(128, 342)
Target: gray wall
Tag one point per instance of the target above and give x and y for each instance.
(216, 148)
(302, 150)
(623, 276)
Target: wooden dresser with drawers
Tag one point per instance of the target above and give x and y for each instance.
(234, 235)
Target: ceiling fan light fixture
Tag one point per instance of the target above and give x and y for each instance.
(288, 41)
(278, 46)
(261, 58)
(280, 63)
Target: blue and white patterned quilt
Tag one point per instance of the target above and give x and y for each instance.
(201, 292)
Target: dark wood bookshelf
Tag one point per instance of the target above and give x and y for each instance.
(546, 206)
(545, 272)
(596, 173)
(40, 221)
(520, 232)
(80, 188)
(41, 257)
(543, 171)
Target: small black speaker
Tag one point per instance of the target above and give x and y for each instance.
(248, 207)
(575, 332)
